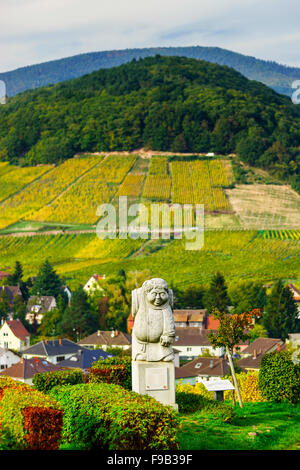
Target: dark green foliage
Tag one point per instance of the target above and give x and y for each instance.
(163, 103)
(248, 295)
(115, 370)
(191, 297)
(104, 416)
(15, 279)
(47, 281)
(45, 381)
(217, 296)
(279, 378)
(191, 402)
(281, 312)
(79, 319)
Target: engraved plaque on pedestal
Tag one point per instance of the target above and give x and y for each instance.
(156, 378)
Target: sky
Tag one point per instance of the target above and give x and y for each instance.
(35, 31)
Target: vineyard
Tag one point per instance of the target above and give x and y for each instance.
(13, 181)
(239, 255)
(78, 204)
(280, 234)
(26, 203)
(71, 192)
(201, 182)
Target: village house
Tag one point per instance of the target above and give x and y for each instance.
(107, 339)
(84, 359)
(193, 342)
(202, 369)
(26, 369)
(197, 318)
(13, 335)
(12, 293)
(296, 295)
(93, 284)
(3, 276)
(7, 358)
(293, 339)
(185, 318)
(54, 350)
(252, 355)
(37, 306)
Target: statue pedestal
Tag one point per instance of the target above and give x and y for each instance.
(156, 379)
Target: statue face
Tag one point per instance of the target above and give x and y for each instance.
(157, 296)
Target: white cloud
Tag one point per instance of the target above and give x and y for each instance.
(33, 31)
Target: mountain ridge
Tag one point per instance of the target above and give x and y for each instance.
(161, 103)
(277, 76)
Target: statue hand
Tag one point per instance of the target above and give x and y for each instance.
(165, 340)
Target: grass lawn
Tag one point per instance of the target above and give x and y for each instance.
(257, 426)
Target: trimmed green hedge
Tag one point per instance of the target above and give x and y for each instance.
(113, 370)
(31, 419)
(189, 402)
(45, 381)
(106, 416)
(279, 377)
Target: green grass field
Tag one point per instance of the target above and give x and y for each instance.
(257, 426)
(239, 255)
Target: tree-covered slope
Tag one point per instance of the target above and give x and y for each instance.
(277, 76)
(163, 103)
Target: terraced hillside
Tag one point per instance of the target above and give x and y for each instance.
(70, 193)
(52, 214)
(239, 255)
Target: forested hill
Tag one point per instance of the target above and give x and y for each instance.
(276, 76)
(163, 103)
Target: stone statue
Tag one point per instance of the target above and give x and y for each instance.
(154, 328)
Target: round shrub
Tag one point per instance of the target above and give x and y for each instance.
(279, 377)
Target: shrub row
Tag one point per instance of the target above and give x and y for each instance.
(279, 377)
(106, 416)
(45, 381)
(31, 419)
(115, 370)
(189, 402)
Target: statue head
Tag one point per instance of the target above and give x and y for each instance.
(157, 292)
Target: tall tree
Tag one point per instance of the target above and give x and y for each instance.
(4, 304)
(281, 312)
(50, 325)
(47, 282)
(15, 279)
(217, 296)
(247, 295)
(78, 319)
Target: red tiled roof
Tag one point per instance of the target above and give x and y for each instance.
(3, 274)
(98, 276)
(18, 329)
(188, 315)
(191, 336)
(262, 345)
(208, 366)
(295, 291)
(105, 337)
(27, 368)
(211, 323)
